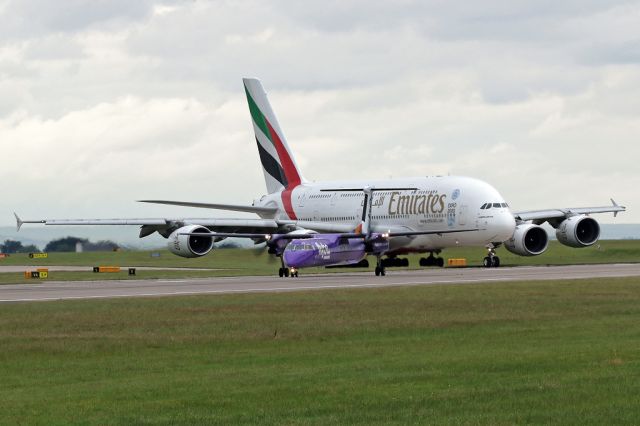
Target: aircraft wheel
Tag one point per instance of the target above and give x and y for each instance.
(281, 272)
(495, 261)
(383, 272)
(440, 262)
(428, 261)
(286, 272)
(377, 271)
(487, 262)
(405, 262)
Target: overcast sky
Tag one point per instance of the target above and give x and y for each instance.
(106, 102)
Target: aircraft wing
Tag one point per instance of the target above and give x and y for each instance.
(163, 225)
(555, 214)
(229, 227)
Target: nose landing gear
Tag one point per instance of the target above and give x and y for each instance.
(380, 267)
(491, 260)
(285, 272)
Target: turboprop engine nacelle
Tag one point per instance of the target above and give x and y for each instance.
(528, 240)
(578, 231)
(190, 245)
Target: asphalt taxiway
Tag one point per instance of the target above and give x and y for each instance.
(58, 268)
(52, 290)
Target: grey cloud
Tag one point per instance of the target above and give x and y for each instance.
(444, 19)
(403, 87)
(612, 53)
(32, 18)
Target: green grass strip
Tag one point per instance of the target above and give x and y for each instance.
(564, 352)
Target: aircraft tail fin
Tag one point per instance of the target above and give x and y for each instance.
(279, 166)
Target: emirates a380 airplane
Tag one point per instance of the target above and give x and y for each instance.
(335, 223)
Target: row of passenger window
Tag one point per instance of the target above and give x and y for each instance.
(493, 205)
(329, 219)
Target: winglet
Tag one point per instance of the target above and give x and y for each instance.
(19, 222)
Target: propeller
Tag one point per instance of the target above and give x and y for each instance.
(260, 249)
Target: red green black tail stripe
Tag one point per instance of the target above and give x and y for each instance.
(284, 171)
(290, 172)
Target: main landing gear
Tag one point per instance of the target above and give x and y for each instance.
(491, 260)
(380, 267)
(432, 261)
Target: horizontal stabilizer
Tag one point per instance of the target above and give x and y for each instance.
(19, 222)
(268, 211)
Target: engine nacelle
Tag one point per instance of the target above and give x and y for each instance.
(190, 245)
(578, 231)
(528, 240)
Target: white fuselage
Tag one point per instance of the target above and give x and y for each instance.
(400, 205)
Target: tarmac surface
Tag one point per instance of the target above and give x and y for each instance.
(57, 268)
(52, 290)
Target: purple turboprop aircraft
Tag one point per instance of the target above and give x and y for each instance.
(331, 250)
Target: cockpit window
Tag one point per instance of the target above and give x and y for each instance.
(493, 205)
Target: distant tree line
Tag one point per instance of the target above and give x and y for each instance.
(12, 246)
(60, 245)
(70, 243)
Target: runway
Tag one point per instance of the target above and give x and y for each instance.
(59, 268)
(52, 290)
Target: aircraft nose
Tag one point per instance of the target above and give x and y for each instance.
(506, 225)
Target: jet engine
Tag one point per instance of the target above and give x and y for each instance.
(190, 245)
(578, 231)
(528, 240)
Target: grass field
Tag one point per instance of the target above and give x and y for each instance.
(250, 262)
(537, 352)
